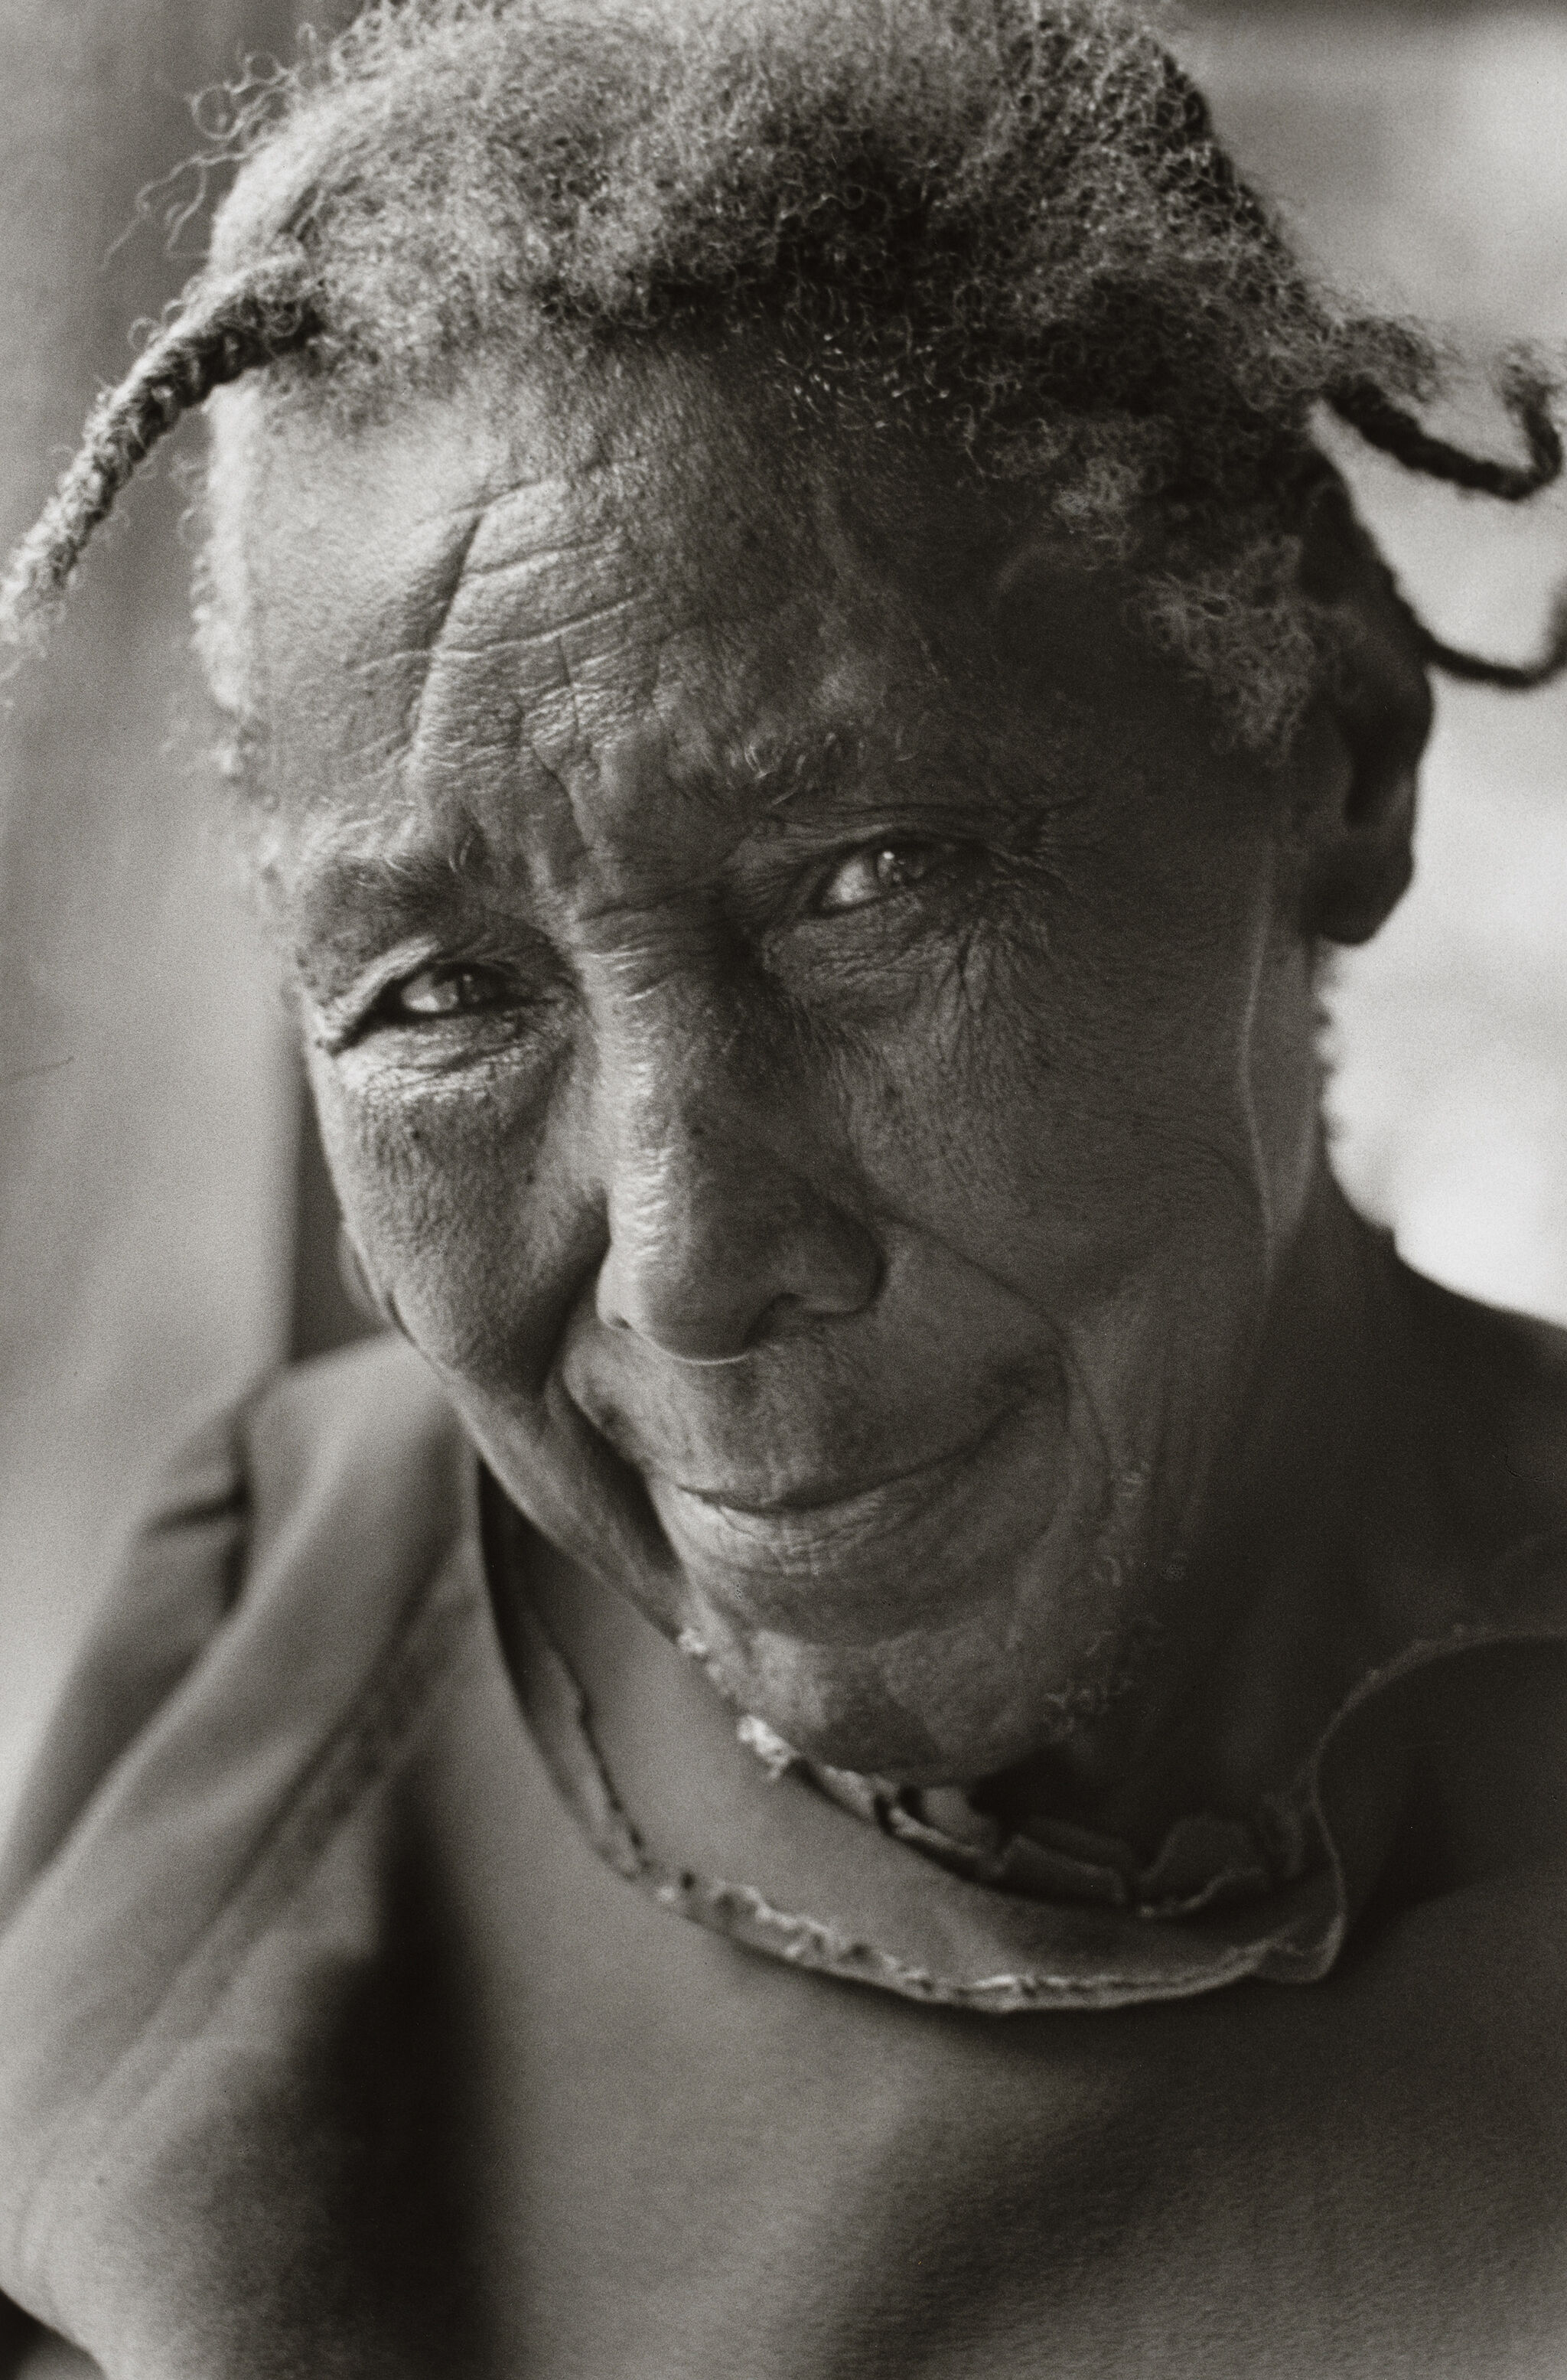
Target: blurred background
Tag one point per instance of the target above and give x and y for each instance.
(165, 1224)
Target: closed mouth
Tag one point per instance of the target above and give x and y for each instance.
(828, 1500)
(804, 1522)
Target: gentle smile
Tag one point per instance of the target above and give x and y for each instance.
(829, 1500)
(813, 1533)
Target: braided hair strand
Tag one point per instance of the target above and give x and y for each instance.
(222, 333)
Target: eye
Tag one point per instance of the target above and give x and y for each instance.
(877, 871)
(458, 988)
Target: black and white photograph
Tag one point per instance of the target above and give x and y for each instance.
(782, 1190)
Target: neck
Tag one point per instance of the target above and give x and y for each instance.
(1301, 1440)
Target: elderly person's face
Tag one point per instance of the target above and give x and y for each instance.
(813, 1041)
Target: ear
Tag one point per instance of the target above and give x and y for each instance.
(1358, 827)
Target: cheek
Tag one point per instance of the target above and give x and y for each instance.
(1081, 1118)
(448, 1196)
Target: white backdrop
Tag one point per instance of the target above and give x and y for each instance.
(146, 1115)
(1424, 160)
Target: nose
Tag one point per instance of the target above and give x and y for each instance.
(716, 1240)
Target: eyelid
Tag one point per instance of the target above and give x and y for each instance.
(806, 851)
(438, 968)
(346, 1015)
(939, 847)
(351, 1017)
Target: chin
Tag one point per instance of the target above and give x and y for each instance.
(829, 1716)
(882, 1630)
(963, 1660)
(941, 1704)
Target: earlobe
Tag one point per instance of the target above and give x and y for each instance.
(1363, 867)
(1360, 829)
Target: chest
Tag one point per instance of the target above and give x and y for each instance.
(685, 2157)
(480, 2109)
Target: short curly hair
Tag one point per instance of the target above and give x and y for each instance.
(1002, 224)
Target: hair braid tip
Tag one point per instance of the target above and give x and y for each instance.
(1509, 677)
(1382, 423)
(222, 333)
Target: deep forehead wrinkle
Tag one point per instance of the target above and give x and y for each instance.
(544, 605)
(623, 701)
(583, 691)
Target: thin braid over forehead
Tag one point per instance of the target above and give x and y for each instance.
(226, 329)
(1004, 227)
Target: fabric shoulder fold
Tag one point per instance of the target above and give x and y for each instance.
(174, 1588)
(283, 1618)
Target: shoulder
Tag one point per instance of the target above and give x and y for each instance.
(1473, 1441)
(332, 1489)
(1502, 1374)
(292, 1620)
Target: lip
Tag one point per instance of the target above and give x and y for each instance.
(805, 1527)
(835, 1499)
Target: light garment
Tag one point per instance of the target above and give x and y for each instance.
(352, 2023)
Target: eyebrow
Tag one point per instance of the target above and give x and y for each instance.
(861, 768)
(352, 905)
(355, 903)
(352, 896)
(818, 765)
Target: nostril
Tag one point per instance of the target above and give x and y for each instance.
(775, 1320)
(784, 1315)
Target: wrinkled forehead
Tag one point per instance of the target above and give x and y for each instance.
(606, 639)
(491, 591)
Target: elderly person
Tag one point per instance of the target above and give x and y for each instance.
(917, 1731)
